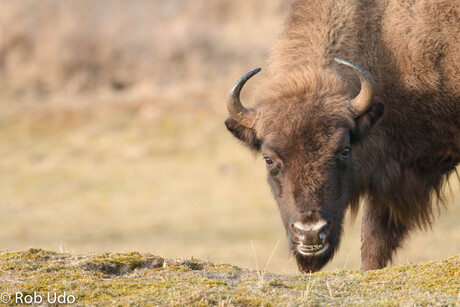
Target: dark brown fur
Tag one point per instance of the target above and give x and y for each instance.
(402, 149)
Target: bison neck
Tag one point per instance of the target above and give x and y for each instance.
(404, 162)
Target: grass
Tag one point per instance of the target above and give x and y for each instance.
(142, 47)
(135, 279)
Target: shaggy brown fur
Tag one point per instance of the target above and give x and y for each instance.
(402, 149)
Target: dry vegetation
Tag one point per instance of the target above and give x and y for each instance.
(136, 279)
(113, 139)
(50, 46)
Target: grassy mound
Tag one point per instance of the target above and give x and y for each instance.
(134, 278)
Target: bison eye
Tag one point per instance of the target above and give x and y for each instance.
(346, 152)
(268, 161)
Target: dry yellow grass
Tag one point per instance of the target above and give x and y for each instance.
(137, 279)
(126, 149)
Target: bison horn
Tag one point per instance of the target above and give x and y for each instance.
(234, 106)
(360, 103)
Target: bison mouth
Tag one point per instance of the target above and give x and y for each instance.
(312, 250)
(313, 257)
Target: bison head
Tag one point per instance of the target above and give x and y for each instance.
(306, 127)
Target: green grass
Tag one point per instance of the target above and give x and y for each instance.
(135, 278)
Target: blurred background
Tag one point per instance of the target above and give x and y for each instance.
(112, 134)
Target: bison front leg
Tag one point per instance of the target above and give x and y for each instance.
(380, 235)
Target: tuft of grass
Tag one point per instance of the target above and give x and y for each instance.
(261, 274)
(144, 279)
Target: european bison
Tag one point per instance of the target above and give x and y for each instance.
(330, 136)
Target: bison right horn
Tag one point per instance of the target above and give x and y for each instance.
(235, 108)
(362, 102)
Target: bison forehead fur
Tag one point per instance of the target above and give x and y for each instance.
(331, 139)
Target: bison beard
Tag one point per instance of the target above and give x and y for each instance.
(308, 264)
(331, 137)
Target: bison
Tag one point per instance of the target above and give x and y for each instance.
(331, 136)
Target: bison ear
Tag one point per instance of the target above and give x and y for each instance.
(246, 135)
(367, 121)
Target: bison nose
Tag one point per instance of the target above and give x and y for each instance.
(309, 233)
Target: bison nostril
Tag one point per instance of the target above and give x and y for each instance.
(322, 236)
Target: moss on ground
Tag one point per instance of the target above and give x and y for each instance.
(134, 278)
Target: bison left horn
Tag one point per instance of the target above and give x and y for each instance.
(360, 103)
(235, 108)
